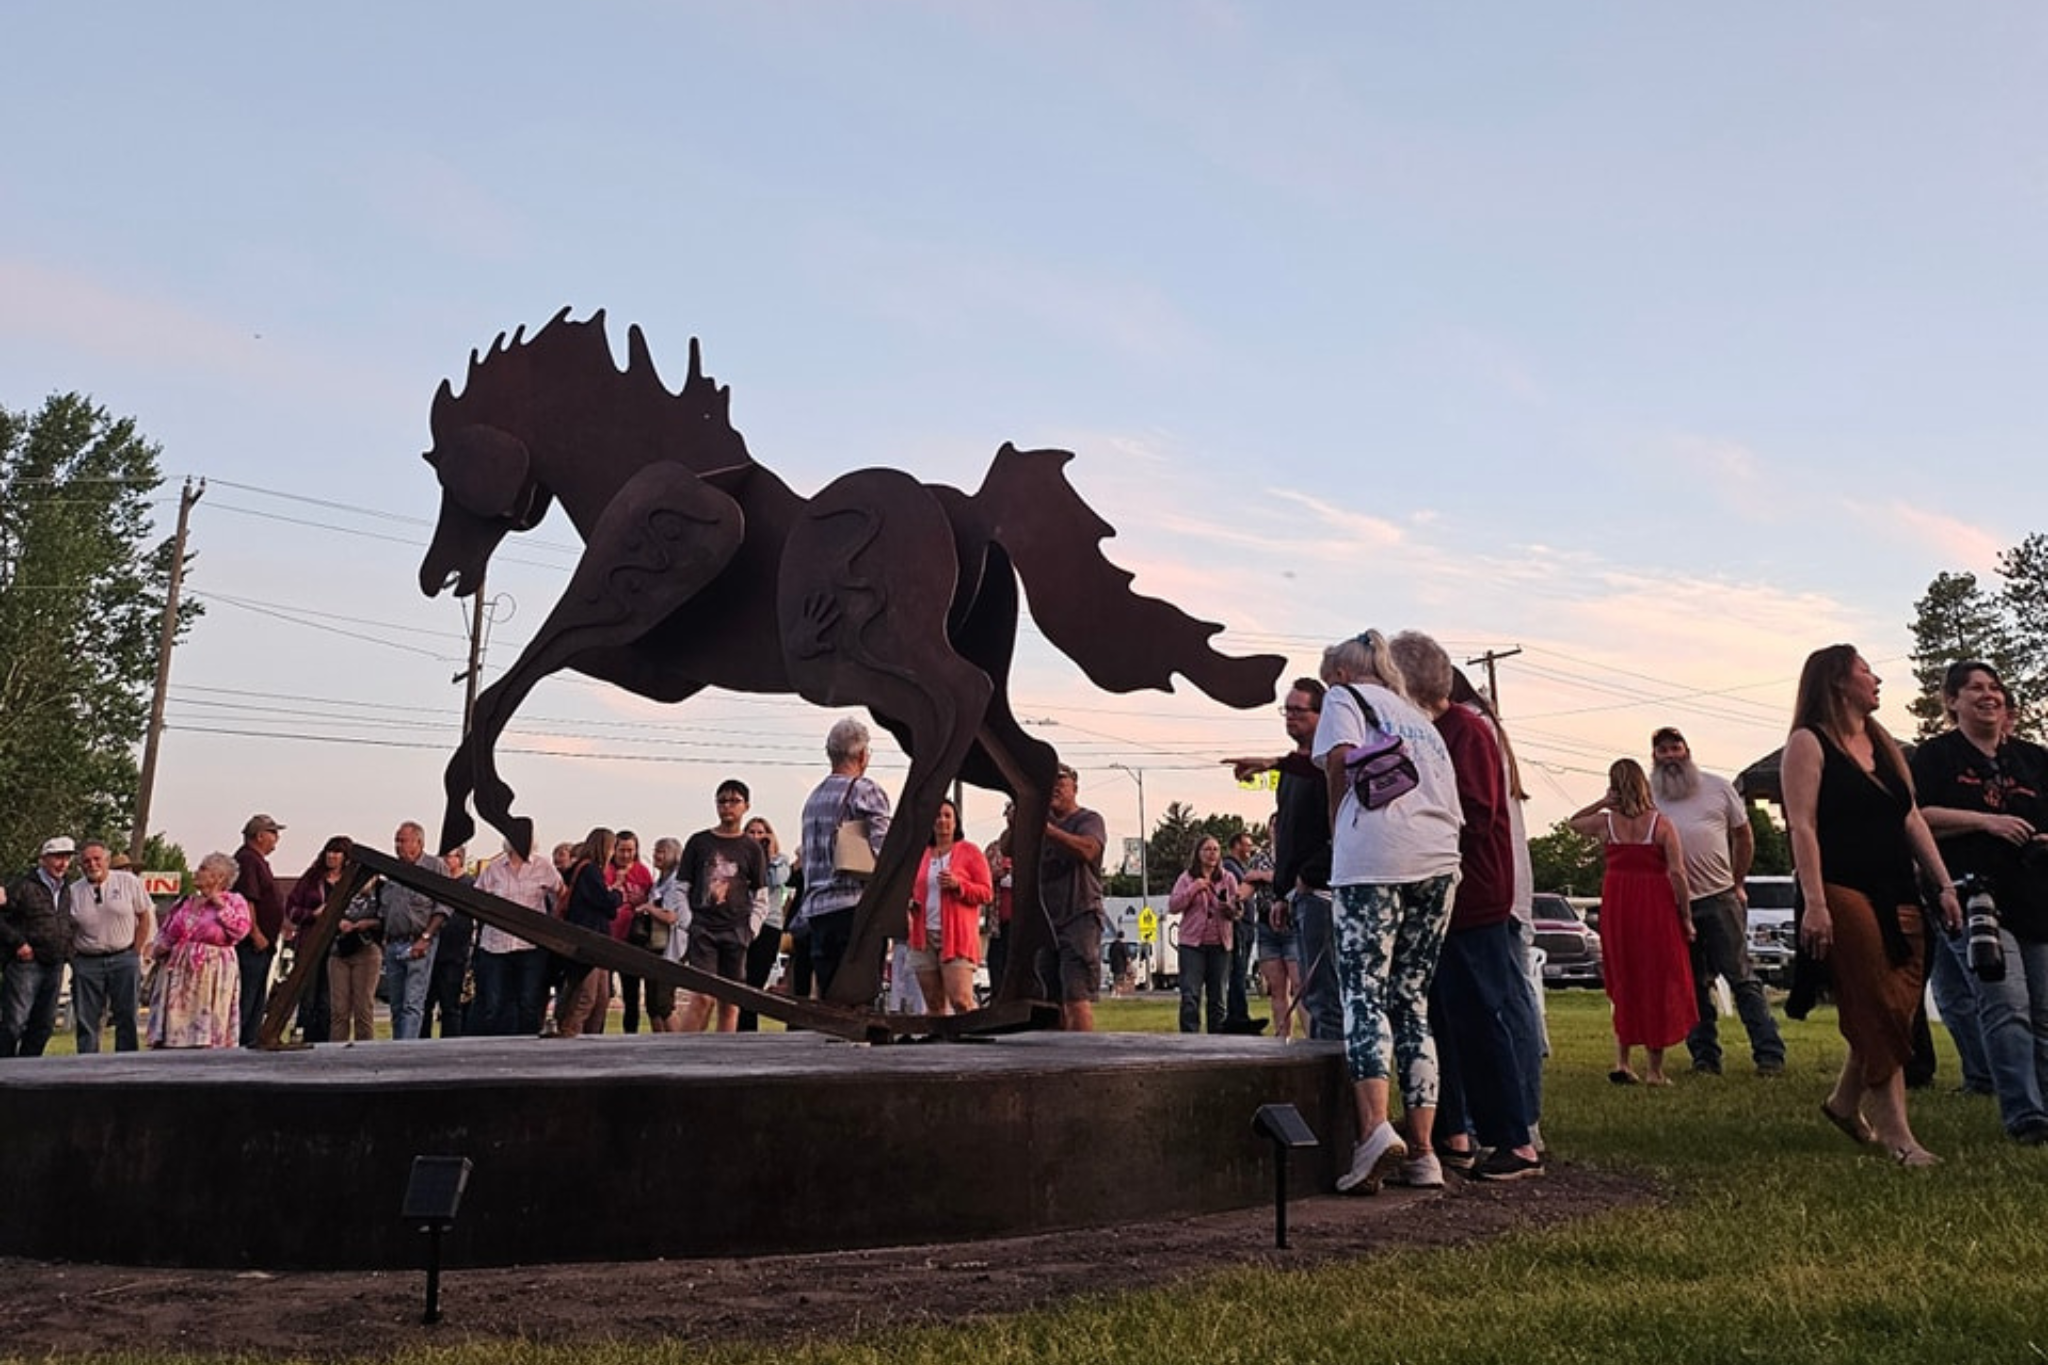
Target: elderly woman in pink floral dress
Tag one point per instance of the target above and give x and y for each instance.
(197, 1002)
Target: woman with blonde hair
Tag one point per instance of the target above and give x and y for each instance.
(1394, 861)
(1856, 836)
(1645, 923)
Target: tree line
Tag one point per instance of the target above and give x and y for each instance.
(83, 579)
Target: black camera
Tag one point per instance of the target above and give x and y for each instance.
(1983, 951)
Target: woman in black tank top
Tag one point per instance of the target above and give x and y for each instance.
(1856, 837)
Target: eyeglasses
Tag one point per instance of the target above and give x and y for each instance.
(1299, 711)
(731, 800)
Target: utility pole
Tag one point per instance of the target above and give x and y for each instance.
(166, 638)
(475, 672)
(1137, 775)
(1492, 683)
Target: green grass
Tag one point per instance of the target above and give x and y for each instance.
(1773, 1239)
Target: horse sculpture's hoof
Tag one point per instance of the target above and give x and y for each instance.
(519, 833)
(456, 829)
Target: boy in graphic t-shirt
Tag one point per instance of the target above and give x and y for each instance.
(727, 874)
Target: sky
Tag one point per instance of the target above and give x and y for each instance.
(1663, 344)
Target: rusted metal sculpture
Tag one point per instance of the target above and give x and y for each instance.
(702, 568)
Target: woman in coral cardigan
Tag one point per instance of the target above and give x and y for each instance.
(952, 885)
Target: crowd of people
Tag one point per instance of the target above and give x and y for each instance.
(727, 901)
(1391, 914)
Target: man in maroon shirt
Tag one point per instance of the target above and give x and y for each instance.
(1479, 1008)
(255, 884)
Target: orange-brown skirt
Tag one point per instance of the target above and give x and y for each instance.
(1875, 998)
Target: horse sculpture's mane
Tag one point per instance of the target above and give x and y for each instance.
(576, 357)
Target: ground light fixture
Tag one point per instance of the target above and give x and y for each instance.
(433, 1196)
(1286, 1129)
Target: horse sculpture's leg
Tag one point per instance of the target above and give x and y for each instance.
(663, 537)
(1029, 765)
(1020, 763)
(866, 582)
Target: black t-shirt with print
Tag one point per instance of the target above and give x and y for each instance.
(723, 871)
(1951, 772)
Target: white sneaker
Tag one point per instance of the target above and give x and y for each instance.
(1373, 1160)
(1424, 1172)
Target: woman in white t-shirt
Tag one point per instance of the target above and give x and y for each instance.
(1392, 869)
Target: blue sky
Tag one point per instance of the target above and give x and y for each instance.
(1666, 343)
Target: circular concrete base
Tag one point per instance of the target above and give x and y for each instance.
(617, 1148)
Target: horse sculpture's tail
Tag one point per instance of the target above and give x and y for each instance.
(1084, 603)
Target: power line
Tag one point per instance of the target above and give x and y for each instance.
(331, 629)
(378, 513)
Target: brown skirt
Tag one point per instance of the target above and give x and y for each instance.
(1875, 997)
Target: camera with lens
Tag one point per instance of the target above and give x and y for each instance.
(1982, 949)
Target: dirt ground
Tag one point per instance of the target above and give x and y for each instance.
(85, 1309)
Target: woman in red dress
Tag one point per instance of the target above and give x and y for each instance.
(1645, 923)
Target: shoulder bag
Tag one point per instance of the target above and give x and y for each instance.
(851, 854)
(1380, 770)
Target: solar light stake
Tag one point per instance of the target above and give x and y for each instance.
(1283, 1126)
(433, 1196)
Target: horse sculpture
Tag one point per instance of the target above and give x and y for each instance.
(702, 568)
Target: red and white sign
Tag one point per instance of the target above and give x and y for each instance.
(163, 883)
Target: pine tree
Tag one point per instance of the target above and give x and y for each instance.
(1956, 620)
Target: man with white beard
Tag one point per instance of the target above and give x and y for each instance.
(1714, 828)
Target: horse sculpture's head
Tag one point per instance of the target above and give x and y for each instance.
(488, 489)
(559, 403)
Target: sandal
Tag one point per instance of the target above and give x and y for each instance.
(1914, 1158)
(1854, 1126)
(1621, 1075)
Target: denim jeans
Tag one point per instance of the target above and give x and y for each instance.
(1721, 948)
(255, 968)
(1485, 1030)
(101, 984)
(28, 1006)
(1321, 1001)
(1237, 1005)
(1523, 935)
(444, 995)
(511, 992)
(1202, 972)
(1955, 998)
(406, 979)
(2012, 1016)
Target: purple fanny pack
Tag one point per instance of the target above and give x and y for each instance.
(1380, 770)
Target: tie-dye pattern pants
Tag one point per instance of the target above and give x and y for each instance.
(1388, 938)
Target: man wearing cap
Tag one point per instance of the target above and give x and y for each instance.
(1070, 885)
(255, 884)
(1714, 828)
(35, 943)
(110, 915)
